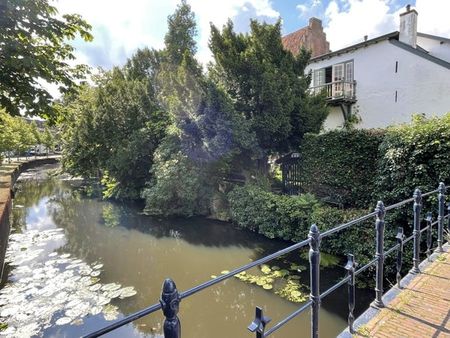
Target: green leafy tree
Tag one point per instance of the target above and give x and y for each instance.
(8, 134)
(267, 84)
(25, 136)
(36, 135)
(179, 40)
(48, 140)
(113, 128)
(33, 40)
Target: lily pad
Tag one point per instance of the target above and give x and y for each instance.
(63, 321)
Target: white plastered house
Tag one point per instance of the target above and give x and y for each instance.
(386, 79)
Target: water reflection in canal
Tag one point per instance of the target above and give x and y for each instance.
(140, 251)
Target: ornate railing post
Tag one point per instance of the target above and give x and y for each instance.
(314, 266)
(416, 232)
(350, 267)
(400, 237)
(259, 323)
(170, 303)
(448, 217)
(429, 220)
(441, 201)
(379, 226)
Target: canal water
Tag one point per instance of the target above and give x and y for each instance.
(78, 263)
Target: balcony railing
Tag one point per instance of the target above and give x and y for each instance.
(337, 90)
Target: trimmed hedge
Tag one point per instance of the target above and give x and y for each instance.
(341, 165)
(275, 216)
(415, 155)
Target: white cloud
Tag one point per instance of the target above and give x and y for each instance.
(310, 8)
(347, 24)
(120, 27)
(433, 17)
(347, 21)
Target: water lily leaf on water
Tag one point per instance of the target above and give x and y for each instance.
(95, 310)
(95, 287)
(110, 287)
(95, 273)
(46, 284)
(265, 269)
(224, 272)
(213, 276)
(267, 287)
(63, 321)
(127, 292)
(110, 312)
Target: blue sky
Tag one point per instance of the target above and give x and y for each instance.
(120, 27)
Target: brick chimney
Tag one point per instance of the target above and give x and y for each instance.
(408, 27)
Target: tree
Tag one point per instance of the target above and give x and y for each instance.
(113, 128)
(267, 84)
(48, 140)
(36, 135)
(180, 38)
(33, 41)
(25, 136)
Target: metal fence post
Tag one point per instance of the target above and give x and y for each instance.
(448, 218)
(259, 323)
(429, 220)
(400, 237)
(350, 267)
(441, 201)
(379, 226)
(170, 303)
(416, 232)
(314, 264)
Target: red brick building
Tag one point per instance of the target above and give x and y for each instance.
(311, 37)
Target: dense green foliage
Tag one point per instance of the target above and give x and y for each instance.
(18, 136)
(266, 84)
(415, 155)
(162, 129)
(34, 49)
(272, 215)
(341, 165)
(112, 129)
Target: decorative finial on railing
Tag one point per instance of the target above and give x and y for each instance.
(380, 210)
(170, 303)
(417, 196)
(259, 323)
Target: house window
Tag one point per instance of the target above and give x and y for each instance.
(319, 77)
(349, 71)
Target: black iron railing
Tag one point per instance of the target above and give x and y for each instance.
(170, 298)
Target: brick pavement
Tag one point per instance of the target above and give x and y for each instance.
(421, 310)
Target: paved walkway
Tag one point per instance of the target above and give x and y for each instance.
(421, 310)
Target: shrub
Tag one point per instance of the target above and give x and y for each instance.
(414, 155)
(341, 165)
(275, 216)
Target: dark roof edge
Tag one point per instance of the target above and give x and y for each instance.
(434, 37)
(420, 53)
(356, 46)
